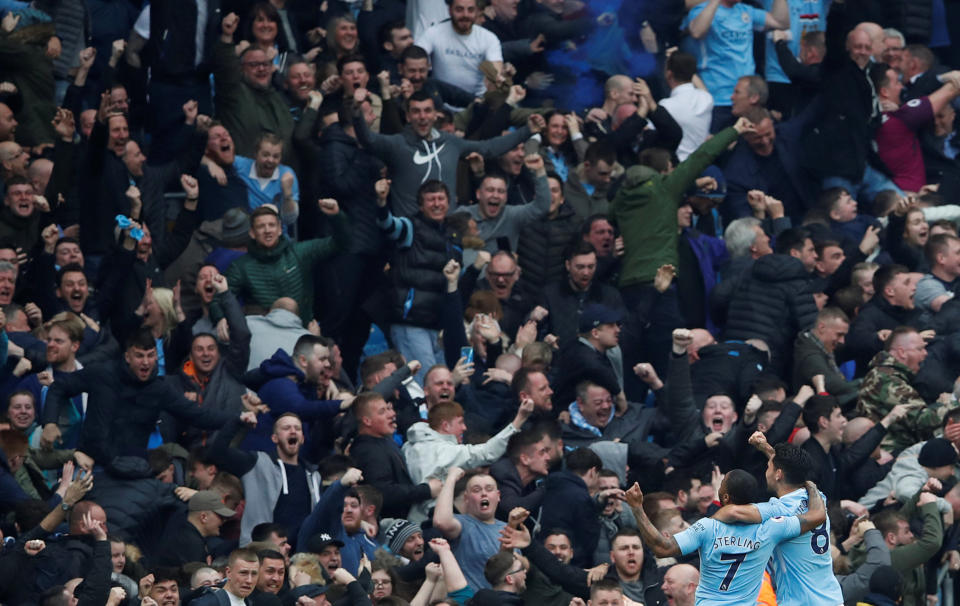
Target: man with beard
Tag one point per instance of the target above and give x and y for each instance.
(291, 384)
(64, 334)
(299, 81)
(277, 485)
(209, 378)
(477, 529)
(540, 590)
(404, 538)
(125, 399)
(626, 557)
(246, 102)
(220, 185)
(339, 513)
(445, 40)
(414, 70)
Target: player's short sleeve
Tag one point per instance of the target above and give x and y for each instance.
(767, 510)
(758, 16)
(916, 113)
(690, 539)
(696, 10)
(781, 528)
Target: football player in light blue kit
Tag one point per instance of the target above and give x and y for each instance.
(802, 567)
(732, 556)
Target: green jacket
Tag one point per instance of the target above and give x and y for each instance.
(887, 384)
(247, 111)
(24, 62)
(262, 275)
(909, 559)
(645, 209)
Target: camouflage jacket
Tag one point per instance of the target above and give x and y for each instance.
(887, 384)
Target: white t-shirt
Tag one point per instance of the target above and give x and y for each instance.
(456, 58)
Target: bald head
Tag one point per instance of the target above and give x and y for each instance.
(286, 303)
(680, 584)
(876, 36)
(859, 47)
(855, 429)
(616, 83)
(39, 173)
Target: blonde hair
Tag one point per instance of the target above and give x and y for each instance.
(308, 563)
(164, 299)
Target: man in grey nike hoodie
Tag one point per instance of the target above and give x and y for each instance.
(420, 152)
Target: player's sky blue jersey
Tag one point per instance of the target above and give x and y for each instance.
(733, 556)
(802, 567)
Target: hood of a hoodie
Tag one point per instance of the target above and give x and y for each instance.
(282, 318)
(268, 255)
(280, 364)
(421, 432)
(565, 480)
(638, 174)
(778, 268)
(130, 468)
(335, 134)
(884, 359)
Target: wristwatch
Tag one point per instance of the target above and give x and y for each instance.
(65, 506)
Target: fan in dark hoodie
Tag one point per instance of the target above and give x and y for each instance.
(288, 384)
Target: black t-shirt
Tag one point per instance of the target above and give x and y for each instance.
(294, 506)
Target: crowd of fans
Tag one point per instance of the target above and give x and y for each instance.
(479, 302)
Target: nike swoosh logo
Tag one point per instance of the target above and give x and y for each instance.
(419, 158)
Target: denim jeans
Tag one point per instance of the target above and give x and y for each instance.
(418, 343)
(872, 183)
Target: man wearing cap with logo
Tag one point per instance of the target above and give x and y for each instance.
(186, 540)
(327, 549)
(594, 356)
(339, 513)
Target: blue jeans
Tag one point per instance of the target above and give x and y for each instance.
(418, 343)
(872, 183)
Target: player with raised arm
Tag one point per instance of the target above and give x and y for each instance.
(802, 567)
(732, 556)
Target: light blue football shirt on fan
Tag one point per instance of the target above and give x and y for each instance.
(726, 52)
(805, 16)
(802, 567)
(733, 556)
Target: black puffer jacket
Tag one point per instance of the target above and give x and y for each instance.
(417, 272)
(565, 306)
(773, 303)
(912, 17)
(540, 249)
(122, 410)
(136, 504)
(356, 171)
(878, 314)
